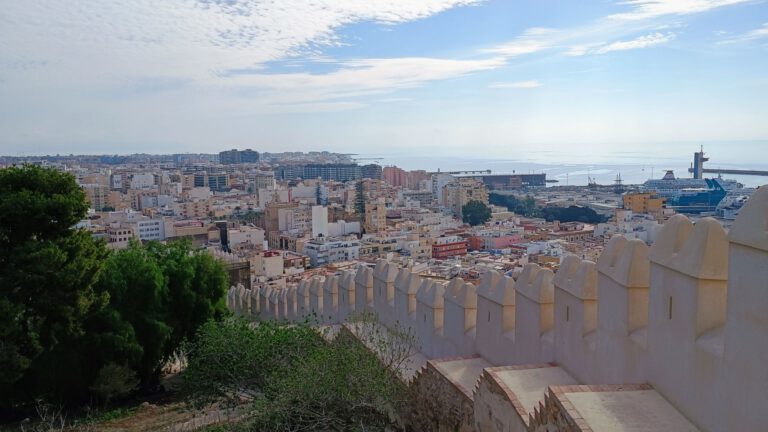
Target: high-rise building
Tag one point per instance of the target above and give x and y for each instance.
(456, 195)
(395, 176)
(234, 156)
(371, 171)
(336, 172)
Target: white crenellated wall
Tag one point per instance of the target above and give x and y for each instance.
(255, 305)
(331, 300)
(460, 317)
(276, 312)
(384, 275)
(576, 317)
(346, 295)
(429, 318)
(623, 282)
(534, 315)
(744, 385)
(291, 303)
(264, 304)
(302, 300)
(496, 318)
(688, 315)
(316, 298)
(406, 286)
(363, 289)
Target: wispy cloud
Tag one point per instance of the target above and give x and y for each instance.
(644, 41)
(759, 33)
(195, 38)
(644, 9)
(353, 79)
(532, 40)
(583, 49)
(640, 42)
(529, 84)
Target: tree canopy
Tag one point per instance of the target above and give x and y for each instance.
(572, 214)
(525, 206)
(47, 273)
(293, 378)
(475, 213)
(77, 321)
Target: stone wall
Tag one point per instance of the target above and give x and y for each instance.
(439, 404)
(689, 315)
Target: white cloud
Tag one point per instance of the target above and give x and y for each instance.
(640, 42)
(644, 9)
(529, 84)
(355, 79)
(91, 39)
(645, 41)
(580, 50)
(531, 41)
(760, 33)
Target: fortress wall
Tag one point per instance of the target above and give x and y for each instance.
(316, 299)
(686, 314)
(302, 300)
(264, 304)
(744, 391)
(429, 318)
(534, 308)
(384, 275)
(495, 336)
(346, 295)
(331, 300)
(231, 299)
(363, 289)
(277, 312)
(623, 282)
(291, 301)
(460, 317)
(254, 304)
(406, 286)
(575, 317)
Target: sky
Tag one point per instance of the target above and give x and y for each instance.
(497, 78)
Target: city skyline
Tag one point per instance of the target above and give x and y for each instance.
(456, 76)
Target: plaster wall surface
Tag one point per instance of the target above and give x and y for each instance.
(534, 308)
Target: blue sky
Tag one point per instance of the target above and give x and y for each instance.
(394, 77)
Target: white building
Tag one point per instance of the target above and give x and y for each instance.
(319, 221)
(142, 181)
(246, 236)
(326, 251)
(150, 229)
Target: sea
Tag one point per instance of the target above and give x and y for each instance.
(578, 164)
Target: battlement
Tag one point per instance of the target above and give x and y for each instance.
(687, 317)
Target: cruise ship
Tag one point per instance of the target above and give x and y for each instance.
(730, 206)
(691, 195)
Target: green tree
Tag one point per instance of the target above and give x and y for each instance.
(523, 206)
(253, 217)
(75, 319)
(475, 213)
(197, 285)
(165, 293)
(139, 295)
(231, 359)
(360, 200)
(293, 378)
(572, 214)
(47, 275)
